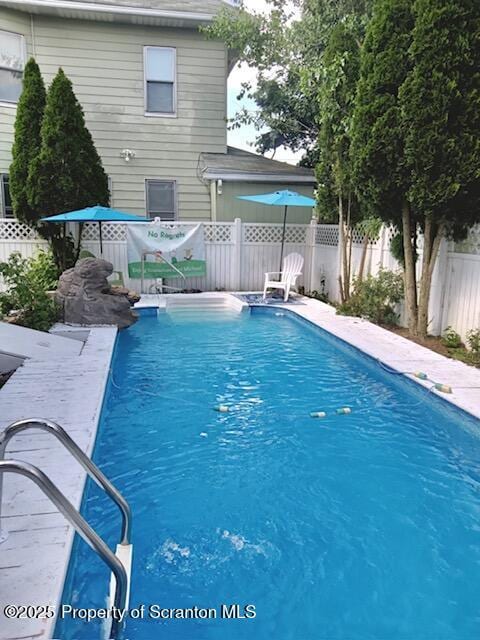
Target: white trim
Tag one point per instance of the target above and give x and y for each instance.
(60, 6)
(159, 114)
(258, 177)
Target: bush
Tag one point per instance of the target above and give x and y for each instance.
(473, 339)
(28, 280)
(375, 297)
(451, 339)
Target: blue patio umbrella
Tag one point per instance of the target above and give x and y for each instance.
(95, 214)
(282, 199)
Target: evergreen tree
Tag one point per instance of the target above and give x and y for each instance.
(441, 105)
(379, 129)
(26, 143)
(67, 173)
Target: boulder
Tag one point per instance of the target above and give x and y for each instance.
(86, 297)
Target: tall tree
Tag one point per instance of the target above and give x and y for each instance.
(379, 130)
(26, 145)
(67, 173)
(441, 107)
(337, 85)
(286, 54)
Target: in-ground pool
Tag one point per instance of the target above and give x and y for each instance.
(360, 526)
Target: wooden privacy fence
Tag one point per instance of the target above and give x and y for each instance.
(238, 255)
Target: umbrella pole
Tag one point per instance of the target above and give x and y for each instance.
(283, 237)
(100, 237)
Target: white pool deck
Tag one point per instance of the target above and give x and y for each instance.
(35, 556)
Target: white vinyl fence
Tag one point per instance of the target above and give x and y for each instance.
(238, 255)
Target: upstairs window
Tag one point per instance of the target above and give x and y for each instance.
(6, 209)
(12, 62)
(160, 80)
(161, 199)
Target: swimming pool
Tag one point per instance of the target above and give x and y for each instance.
(362, 526)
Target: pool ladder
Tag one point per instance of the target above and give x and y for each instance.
(119, 563)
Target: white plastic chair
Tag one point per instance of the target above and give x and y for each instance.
(292, 269)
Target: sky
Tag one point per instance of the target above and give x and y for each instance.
(244, 137)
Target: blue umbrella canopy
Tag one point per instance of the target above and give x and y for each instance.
(281, 199)
(95, 214)
(284, 199)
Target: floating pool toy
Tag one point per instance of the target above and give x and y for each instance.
(344, 410)
(444, 388)
(222, 408)
(421, 375)
(204, 435)
(318, 414)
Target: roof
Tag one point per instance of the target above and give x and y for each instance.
(170, 13)
(239, 165)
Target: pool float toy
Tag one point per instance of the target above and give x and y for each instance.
(222, 408)
(318, 414)
(444, 388)
(421, 375)
(344, 410)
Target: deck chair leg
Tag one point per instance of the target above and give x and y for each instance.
(265, 292)
(287, 293)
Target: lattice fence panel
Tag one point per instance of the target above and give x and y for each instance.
(110, 232)
(16, 230)
(327, 234)
(218, 232)
(270, 234)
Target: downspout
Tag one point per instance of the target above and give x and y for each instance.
(213, 200)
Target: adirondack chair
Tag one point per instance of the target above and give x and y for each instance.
(292, 268)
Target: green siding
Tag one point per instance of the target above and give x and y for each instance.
(105, 64)
(229, 207)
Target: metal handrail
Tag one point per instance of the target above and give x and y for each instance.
(81, 527)
(92, 470)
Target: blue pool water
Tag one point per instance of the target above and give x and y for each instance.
(363, 526)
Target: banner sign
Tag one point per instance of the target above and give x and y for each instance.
(164, 248)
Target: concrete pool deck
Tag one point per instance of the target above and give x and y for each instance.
(35, 556)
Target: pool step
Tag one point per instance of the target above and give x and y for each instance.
(204, 302)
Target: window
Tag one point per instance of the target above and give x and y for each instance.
(6, 209)
(161, 199)
(160, 72)
(12, 61)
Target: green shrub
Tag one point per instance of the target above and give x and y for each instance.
(451, 339)
(27, 281)
(375, 297)
(473, 339)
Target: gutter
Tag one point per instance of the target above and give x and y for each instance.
(258, 177)
(109, 10)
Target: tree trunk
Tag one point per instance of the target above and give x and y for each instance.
(409, 271)
(363, 258)
(431, 245)
(341, 240)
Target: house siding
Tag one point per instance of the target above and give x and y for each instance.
(229, 207)
(105, 65)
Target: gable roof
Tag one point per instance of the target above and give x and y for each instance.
(239, 165)
(170, 13)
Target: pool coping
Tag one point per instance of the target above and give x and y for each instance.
(36, 554)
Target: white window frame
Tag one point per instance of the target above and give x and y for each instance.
(3, 199)
(11, 103)
(175, 198)
(159, 114)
